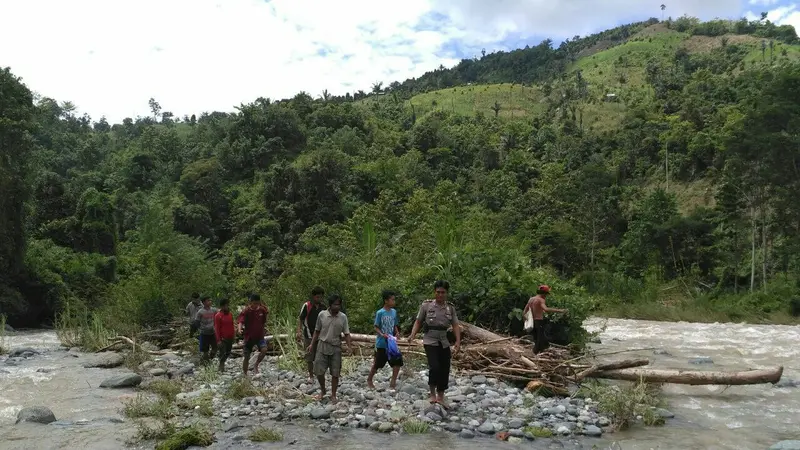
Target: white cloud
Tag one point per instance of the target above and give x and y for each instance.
(110, 56)
(763, 2)
(782, 15)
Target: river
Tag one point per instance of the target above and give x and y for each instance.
(706, 417)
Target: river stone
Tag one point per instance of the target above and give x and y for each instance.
(157, 372)
(25, 352)
(787, 383)
(105, 360)
(701, 360)
(466, 434)
(320, 413)
(666, 414)
(8, 328)
(37, 414)
(453, 427)
(786, 445)
(478, 379)
(385, 427)
(486, 428)
(592, 430)
(122, 381)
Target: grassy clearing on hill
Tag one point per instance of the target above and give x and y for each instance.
(515, 100)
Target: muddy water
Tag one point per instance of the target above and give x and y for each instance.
(713, 417)
(746, 417)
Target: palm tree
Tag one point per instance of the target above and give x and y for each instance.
(663, 7)
(376, 87)
(325, 96)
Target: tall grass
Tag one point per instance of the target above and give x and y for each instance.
(625, 404)
(76, 327)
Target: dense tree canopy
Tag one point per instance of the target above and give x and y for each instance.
(692, 197)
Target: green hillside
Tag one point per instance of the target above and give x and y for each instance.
(614, 73)
(674, 199)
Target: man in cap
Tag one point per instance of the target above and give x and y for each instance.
(538, 306)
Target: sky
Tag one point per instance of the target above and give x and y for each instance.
(109, 57)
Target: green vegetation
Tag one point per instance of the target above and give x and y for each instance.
(142, 406)
(166, 389)
(415, 426)
(674, 198)
(538, 432)
(242, 388)
(264, 434)
(185, 438)
(626, 403)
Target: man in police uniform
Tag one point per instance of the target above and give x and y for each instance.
(436, 316)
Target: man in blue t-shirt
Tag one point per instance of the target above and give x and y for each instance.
(385, 326)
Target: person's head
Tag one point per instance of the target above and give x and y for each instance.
(195, 297)
(388, 298)
(254, 301)
(225, 304)
(206, 299)
(441, 288)
(335, 303)
(543, 290)
(317, 293)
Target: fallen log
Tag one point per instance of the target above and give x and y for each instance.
(479, 334)
(625, 364)
(693, 378)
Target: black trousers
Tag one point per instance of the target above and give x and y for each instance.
(225, 347)
(438, 366)
(540, 339)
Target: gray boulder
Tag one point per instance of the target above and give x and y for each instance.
(122, 381)
(37, 414)
(104, 360)
(26, 352)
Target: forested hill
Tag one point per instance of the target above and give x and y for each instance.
(674, 198)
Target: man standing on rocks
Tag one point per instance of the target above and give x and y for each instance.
(254, 319)
(191, 309)
(226, 333)
(538, 305)
(436, 316)
(385, 326)
(331, 325)
(307, 324)
(208, 339)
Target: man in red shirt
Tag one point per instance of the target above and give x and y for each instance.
(254, 319)
(223, 327)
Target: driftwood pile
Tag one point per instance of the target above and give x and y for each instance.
(486, 353)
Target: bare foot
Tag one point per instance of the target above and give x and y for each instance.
(319, 396)
(370, 385)
(392, 385)
(255, 370)
(432, 399)
(334, 399)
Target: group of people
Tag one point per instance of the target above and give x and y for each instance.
(322, 330)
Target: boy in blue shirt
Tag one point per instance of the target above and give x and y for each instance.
(385, 326)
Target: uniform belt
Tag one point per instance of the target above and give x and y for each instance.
(437, 327)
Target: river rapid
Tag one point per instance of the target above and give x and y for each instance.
(706, 417)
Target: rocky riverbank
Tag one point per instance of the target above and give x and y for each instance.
(479, 406)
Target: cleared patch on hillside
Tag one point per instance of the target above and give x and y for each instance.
(652, 30)
(689, 195)
(515, 100)
(704, 44)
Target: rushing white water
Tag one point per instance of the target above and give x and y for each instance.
(706, 417)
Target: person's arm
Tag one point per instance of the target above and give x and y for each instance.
(217, 326)
(456, 331)
(303, 315)
(417, 323)
(315, 338)
(377, 324)
(266, 318)
(240, 321)
(555, 310)
(346, 332)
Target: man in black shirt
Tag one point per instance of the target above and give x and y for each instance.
(306, 323)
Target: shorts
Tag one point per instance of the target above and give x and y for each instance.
(208, 342)
(309, 355)
(382, 357)
(328, 357)
(250, 343)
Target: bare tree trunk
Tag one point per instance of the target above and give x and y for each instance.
(753, 250)
(594, 241)
(764, 249)
(693, 377)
